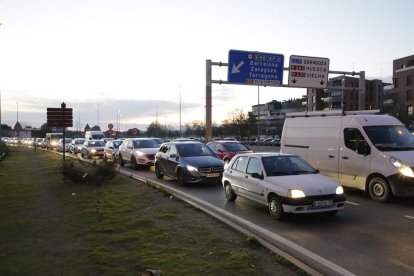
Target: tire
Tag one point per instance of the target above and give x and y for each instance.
(379, 189)
(229, 193)
(276, 209)
(180, 178)
(121, 161)
(158, 172)
(134, 164)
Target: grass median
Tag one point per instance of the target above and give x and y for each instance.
(52, 225)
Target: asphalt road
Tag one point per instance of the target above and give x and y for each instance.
(365, 238)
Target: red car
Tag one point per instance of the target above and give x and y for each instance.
(227, 149)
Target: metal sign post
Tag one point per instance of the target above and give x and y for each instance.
(243, 70)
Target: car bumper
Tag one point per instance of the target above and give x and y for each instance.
(314, 204)
(401, 185)
(202, 178)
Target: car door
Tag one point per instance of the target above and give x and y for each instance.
(171, 160)
(237, 173)
(254, 186)
(353, 160)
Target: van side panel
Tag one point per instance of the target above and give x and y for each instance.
(316, 139)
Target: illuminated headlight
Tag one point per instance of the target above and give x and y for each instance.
(339, 190)
(54, 143)
(191, 168)
(139, 153)
(93, 150)
(402, 168)
(296, 193)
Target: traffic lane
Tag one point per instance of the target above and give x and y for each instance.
(366, 237)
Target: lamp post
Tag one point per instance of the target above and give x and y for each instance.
(97, 116)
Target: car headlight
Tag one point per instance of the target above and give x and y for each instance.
(296, 193)
(401, 167)
(54, 143)
(339, 190)
(191, 168)
(93, 150)
(140, 153)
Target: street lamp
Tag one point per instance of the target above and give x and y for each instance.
(97, 106)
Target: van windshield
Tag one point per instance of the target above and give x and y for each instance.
(390, 138)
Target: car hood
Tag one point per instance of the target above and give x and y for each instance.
(310, 184)
(406, 157)
(203, 161)
(96, 148)
(147, 150)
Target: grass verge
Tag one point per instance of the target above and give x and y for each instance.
(52, 225)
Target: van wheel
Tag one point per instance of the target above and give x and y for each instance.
(229, 192)
(379, 190)
(158, 172)
(276, 209)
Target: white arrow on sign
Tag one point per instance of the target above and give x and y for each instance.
(236, 69)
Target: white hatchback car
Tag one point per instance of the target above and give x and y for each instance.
(284, 182)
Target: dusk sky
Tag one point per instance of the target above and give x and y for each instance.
(134, 57)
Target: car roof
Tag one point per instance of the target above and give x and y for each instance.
(183, 142)
(266, 154)
(226, 142)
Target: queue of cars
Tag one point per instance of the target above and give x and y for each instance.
(286, 183)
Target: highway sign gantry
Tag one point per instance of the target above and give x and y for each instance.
(255, 68)
(308, 72)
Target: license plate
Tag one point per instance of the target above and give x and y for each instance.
(323, 203)
(213, 174)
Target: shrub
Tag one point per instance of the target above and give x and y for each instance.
(92, 173)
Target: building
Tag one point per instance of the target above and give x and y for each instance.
(403, 79)
(338, 98)
(271, 116)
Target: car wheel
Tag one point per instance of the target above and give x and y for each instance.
(229, 192)
(180, 177)
(276, 209)
(121, 161)
(134, 164)
(158, 172)
(379, 190)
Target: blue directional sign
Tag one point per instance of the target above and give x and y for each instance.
(255, 68)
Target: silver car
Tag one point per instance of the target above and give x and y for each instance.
(92, 148)
(138, 152)
(111, 151)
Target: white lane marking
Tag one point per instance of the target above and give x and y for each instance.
(352, 203)
(409, 217)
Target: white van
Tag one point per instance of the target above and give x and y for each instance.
(359, 149)
(52, 140)
(94, 135)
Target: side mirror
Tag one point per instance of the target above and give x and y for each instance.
(258, 176)
(173, 155)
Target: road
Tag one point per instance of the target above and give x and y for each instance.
(366, 238)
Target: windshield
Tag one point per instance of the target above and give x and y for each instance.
(286, 165)
(139, 144)
(390, 138)
(117, 144)
(196, 149)
(235, 147)
(79, 141)
(97, 143)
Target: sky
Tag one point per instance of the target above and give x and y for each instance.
(138, 60)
